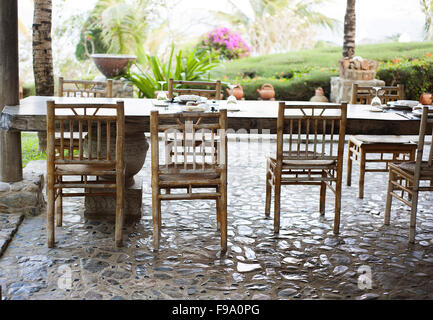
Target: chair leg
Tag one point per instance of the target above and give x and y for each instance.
(120, 213)
(223, 217)
(156, 217)
(218, 211)
(361, 175)
(349, 164)
(323, 195)
(337, 205)
(277, 202)
(268, 192)
(159, 218)
(59, 209)
(50, 214)
(388, 203)
(413, 211)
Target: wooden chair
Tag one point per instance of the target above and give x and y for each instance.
(407, 177)
(310, 157)
(80, 169)
(364, 95)
(195, 147)
(82, 89)
(85, 88)
(174, 86)
(383, 149)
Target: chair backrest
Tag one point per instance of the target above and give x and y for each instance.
(85, 88)
(309, 131)
(178, 86)
(192, 141)
(426, 119)
(93, 126)
(364, 95)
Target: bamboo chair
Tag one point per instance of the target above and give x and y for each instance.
(85, 88)
(195, 147)
(407, 177)
(364, 94)
(96, 170)
(383, 149)
(310, 157)
(174, 86)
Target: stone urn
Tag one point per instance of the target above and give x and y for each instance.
(267, 91)
(238, 92)
(112, 65)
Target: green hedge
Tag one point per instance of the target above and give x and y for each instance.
(416, 75)
(298, 89)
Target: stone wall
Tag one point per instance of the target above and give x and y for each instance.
(341, 89)
(26, 196)
(122, 89)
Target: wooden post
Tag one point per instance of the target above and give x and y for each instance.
(10, 141)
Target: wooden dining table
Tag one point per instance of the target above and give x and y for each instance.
(252, 116)
(255, 117)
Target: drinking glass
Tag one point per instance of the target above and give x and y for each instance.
(376, 102)
(232, 99)
(161, 94)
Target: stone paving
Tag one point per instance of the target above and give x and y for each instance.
(306, 261)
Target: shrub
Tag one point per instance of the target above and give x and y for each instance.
(29, 90)
(300, 88)
(415, 74)
(227, 44)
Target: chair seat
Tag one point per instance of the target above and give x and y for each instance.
(85, 169)
(367, 139)
(426, 171)
(313, 162)
(179, 173)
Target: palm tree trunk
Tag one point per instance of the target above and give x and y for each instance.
(42, 55)
(349, 30)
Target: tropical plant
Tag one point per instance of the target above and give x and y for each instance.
(263, 29)
(349, 30)
(91, 40)
(192, 67)
(229, 45)
(427, 8)
(117, 26)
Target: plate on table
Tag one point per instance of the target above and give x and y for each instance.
(161, 103)
(418, 112)
(403, 104)
(194, 107)
(375, 109)
(188, 98)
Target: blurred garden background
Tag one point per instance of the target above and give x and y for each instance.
(294, 45)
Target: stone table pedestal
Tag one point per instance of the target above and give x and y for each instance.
(136, 147)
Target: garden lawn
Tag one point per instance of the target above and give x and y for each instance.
(272, 65)
(29, 148)
(296, 75)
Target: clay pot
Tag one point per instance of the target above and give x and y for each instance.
(238, 92)
(426, 99)
(267, 91)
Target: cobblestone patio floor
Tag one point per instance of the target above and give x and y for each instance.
(306, 261)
